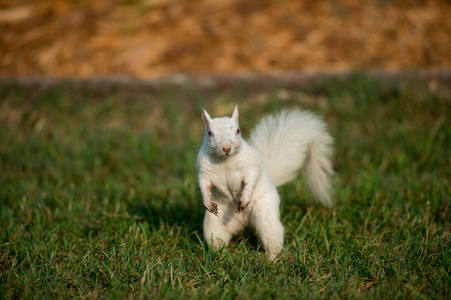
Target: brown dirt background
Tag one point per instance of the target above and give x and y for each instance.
(154, 38)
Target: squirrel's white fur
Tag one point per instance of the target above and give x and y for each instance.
(238, 180)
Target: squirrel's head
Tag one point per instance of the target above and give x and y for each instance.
(222, 135)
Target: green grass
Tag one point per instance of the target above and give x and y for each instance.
(99, 198)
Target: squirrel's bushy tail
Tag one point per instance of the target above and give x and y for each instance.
(293, 140)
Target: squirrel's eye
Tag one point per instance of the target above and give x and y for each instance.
(238, 131)
(210, 134)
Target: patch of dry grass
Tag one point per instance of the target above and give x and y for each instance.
(155, 38)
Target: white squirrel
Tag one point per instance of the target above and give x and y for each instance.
(238, 180)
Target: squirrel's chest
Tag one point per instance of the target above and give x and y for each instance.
(227, 178)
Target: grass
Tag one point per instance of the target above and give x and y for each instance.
(99, 198)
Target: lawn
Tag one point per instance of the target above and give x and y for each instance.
(99, 196)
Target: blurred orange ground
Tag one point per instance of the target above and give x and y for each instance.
(153, 38)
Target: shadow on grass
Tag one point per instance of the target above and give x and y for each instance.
(157, 212)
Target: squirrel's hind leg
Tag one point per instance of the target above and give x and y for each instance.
(215, 232)
(269, 230)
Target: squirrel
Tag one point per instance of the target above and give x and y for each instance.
(238, 179)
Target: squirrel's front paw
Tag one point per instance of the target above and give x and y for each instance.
(213, 208)
(242, 205)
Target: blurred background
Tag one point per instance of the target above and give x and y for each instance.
(154, 38)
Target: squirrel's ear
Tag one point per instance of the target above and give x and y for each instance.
(235, 114)
(206, 117)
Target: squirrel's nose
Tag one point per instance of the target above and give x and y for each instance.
(226, 148)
